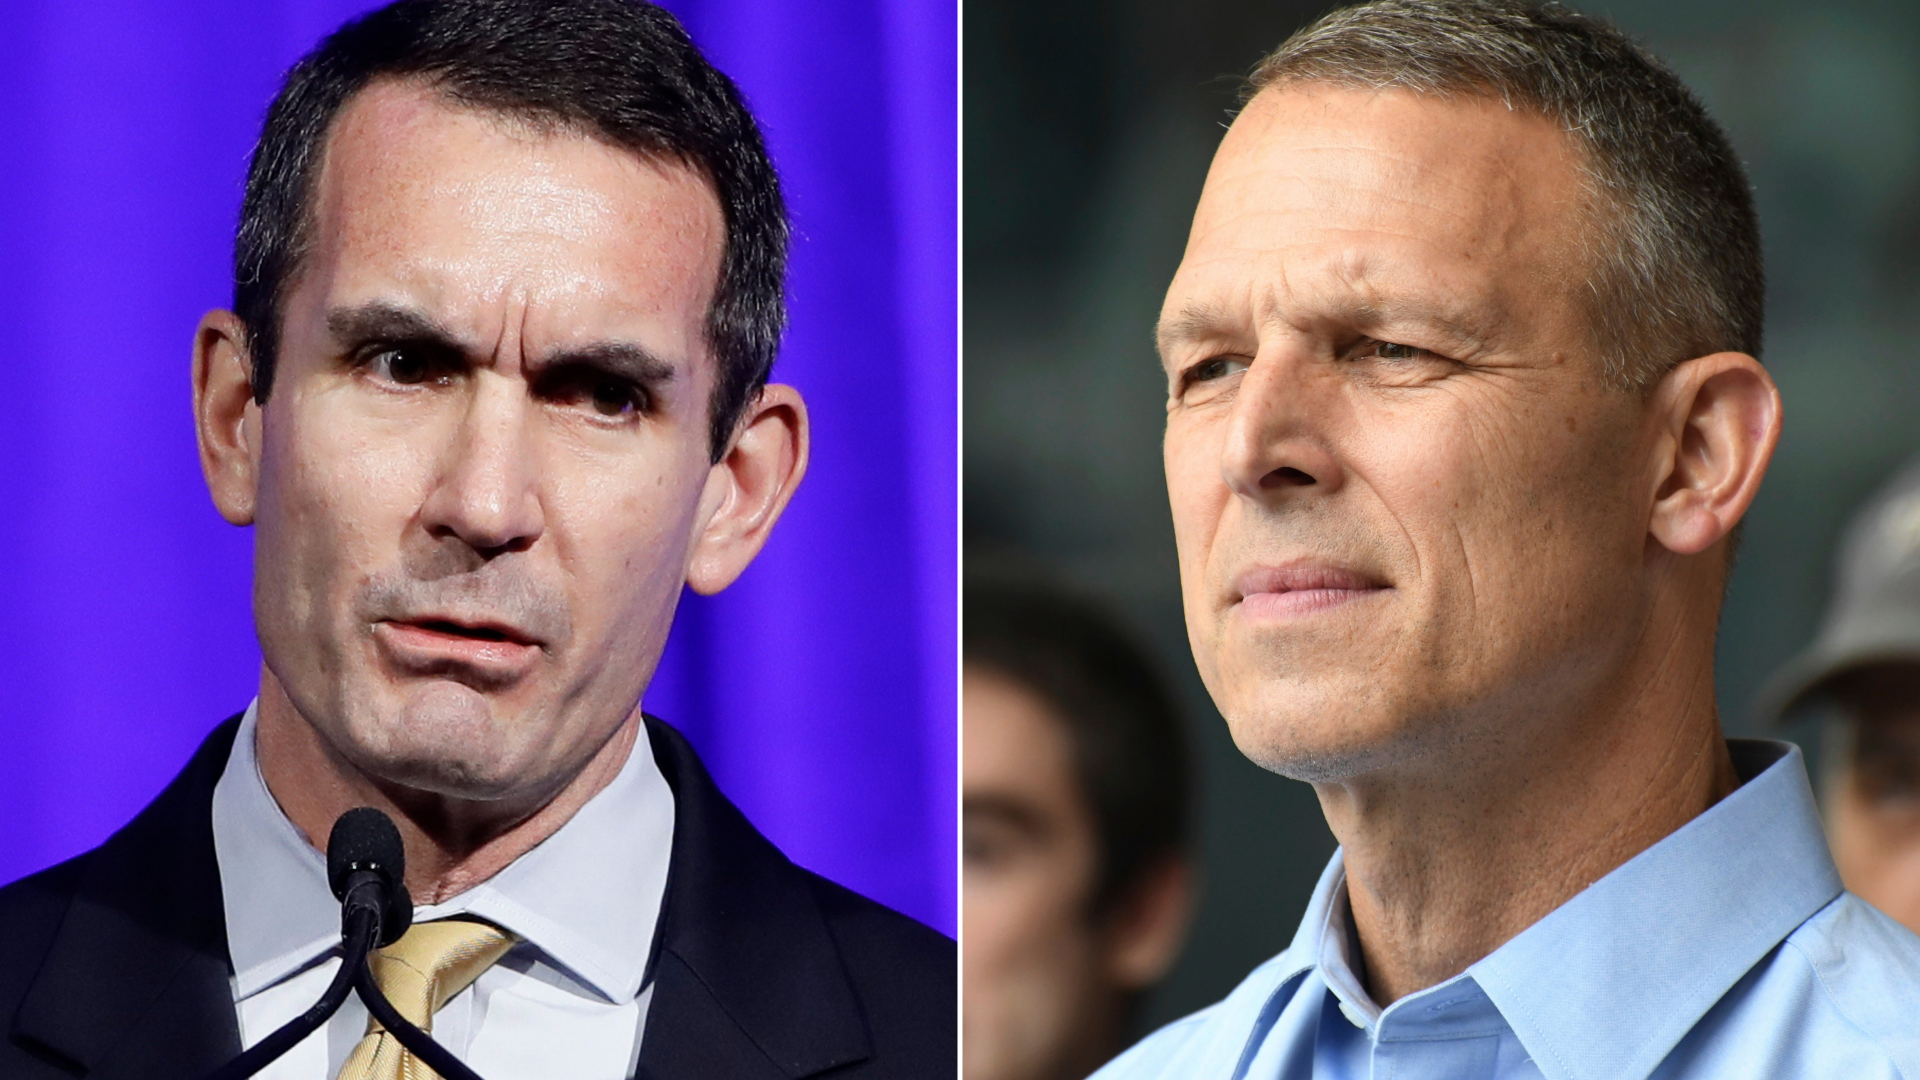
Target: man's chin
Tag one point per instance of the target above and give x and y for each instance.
(433, 773)
(445, 739)
(475, 769)
(1320, 738)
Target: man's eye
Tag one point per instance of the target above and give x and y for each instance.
(408, 367)
(614, 398)
(609, 396)
(1217, 368)
(1393, 350)
(582, 388)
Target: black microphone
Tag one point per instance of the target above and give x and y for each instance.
(366, 868)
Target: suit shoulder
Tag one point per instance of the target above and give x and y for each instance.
(905, 973)
(31, 909)
(858, 921)
(55, 884)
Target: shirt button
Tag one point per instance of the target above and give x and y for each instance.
(1353, 1015)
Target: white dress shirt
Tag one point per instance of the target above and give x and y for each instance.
(570, 999)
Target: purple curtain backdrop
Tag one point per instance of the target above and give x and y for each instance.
(820, 689)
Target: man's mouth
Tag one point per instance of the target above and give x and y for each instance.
(433, 645)
(1301, 588)
(478, 632)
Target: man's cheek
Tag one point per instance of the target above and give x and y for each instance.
(1428, 481)
(1198, 498)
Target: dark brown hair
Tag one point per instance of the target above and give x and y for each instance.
(619, 70)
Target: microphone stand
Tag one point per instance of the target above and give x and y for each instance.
(363, 926)
(366, 868)
(355, 975)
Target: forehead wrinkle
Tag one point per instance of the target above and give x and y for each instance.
(1231, 314)
(1311, 293)
(1394, 187)
(1349, 292)
(587, 174)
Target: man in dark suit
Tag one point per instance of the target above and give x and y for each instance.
(493, 391)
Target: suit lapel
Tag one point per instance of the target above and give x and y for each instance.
(136, 983)
(747, 978)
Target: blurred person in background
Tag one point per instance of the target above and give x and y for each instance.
(1864, 667)
(1463, 411)
(1075, 817)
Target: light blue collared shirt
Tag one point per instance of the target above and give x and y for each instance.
(1726, 950)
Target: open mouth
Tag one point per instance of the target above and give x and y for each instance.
(475, 633)
(486, 657)
(432, 643)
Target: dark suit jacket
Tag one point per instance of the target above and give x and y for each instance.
(114, 965)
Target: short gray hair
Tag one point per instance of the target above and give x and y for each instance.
(1674, 266)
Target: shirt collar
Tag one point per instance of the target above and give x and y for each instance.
(1609, 982)
(587, 898)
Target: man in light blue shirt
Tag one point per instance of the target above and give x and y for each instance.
(1727, 949)
(1464, 410)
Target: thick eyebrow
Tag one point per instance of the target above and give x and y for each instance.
(622, 359)
(380, 320)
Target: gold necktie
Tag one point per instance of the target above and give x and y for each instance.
(432, 962)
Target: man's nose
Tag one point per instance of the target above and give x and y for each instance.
(1276, 442)
(488, 491)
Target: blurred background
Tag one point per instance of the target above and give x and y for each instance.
(1088, 128)
(819, 689)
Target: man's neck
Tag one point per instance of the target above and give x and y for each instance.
(1444, 865)
(452, 844)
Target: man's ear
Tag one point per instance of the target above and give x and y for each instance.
(1719, 419)
(225, 418)
(1144, 933)
(749, 487)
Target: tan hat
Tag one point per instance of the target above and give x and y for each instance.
(1874, 615)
